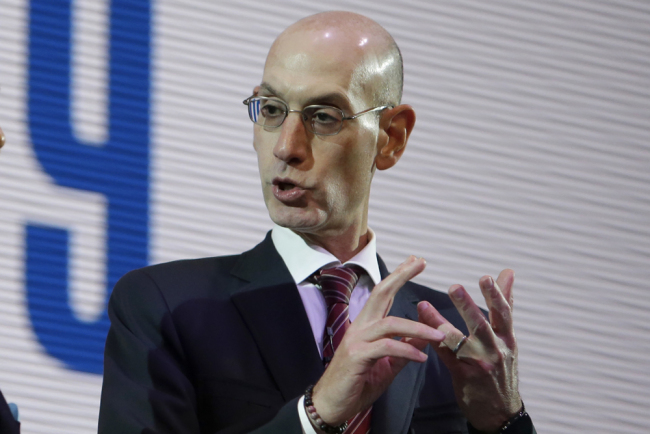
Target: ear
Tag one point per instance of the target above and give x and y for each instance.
(395, 128)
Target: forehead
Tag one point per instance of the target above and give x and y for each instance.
(303, 67)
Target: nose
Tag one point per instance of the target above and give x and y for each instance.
(292, 146)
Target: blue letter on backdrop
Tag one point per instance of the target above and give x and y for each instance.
(119, 169)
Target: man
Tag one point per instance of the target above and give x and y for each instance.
(231, 344)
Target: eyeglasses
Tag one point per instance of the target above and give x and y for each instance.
(322, 120)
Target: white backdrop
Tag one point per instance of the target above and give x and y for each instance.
(531, 151)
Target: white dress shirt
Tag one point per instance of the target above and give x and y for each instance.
(303, 260)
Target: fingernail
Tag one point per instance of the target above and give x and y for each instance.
(424, 308)
(490, 283)
(457, 293)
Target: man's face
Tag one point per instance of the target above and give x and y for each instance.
(316, 184)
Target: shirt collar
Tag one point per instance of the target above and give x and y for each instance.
(303, 259)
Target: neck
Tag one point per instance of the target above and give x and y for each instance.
(344, 245)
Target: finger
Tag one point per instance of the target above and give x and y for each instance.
(418, 343)
(444, 349)
(398, 363)
(499, 309)
(430, 315)
(395, 349)
(477, 324)
(505, 281)
(381, 297)
(467, 351)
(2, 138)
(393, 326)
(447, 356)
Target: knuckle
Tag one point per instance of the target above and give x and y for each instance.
(504, 314)
(389, 344)
(482, 327)
(500, 356)
(353, 351)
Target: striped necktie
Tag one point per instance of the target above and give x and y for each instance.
(337, 284)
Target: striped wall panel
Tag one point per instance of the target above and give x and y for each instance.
(531, 151)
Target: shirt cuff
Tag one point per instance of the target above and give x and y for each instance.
(307, 427)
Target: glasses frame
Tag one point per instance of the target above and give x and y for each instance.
(247, 102)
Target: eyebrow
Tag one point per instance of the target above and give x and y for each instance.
(333, 98)
(268, 88)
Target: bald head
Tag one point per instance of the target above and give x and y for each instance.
(347, 41)
(316, 183)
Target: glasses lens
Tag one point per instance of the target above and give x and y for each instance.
(324, 120)
(268, 112)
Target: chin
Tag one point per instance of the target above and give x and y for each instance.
(297, 219)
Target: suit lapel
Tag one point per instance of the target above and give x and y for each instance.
(272, 308)
(392, 412)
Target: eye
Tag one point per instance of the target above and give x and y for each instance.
(326, 116)
(272, 109)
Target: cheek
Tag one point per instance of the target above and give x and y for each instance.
(261, 149)
(257, 142)
(358, 165)
(350, 179)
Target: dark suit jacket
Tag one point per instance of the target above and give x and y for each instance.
(223, 345)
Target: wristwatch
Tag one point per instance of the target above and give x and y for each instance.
(520, 423)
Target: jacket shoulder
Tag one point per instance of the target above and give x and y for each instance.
(181, 280)
(191, 268)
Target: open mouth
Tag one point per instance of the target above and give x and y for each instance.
(287, 191)
(284, 186)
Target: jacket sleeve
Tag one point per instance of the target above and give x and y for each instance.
(520, 425)
(146, 388)
(147, 384)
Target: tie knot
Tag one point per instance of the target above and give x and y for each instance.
(337, 283)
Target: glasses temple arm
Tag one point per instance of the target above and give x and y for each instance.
(383, 107)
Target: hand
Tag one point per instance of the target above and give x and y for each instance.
(368, 358)
(484, 370)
